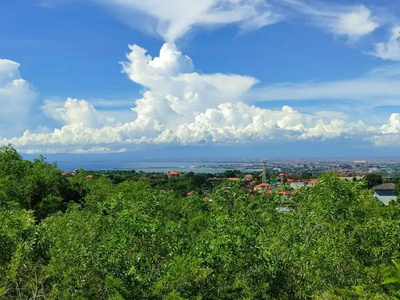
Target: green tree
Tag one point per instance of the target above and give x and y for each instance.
(373, 180)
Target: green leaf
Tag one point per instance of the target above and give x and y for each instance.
(391, 280)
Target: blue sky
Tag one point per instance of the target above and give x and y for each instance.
(246, 72)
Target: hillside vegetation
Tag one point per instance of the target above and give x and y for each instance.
(80, 238)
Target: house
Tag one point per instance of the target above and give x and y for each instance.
(247, 179)
(73, 173)
(351, 178)
(190, 194)
(261, 186)
(214, 180)
(303, 183)
(233, 179)
(89, 177)
(173, 174)
(282, 193)
(284, 209)
(285, 193)
(385, 192)
(297, 185)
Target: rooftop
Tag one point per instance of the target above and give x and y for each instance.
(385, 186)
(174, 173)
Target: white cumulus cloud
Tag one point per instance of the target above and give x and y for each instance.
(16, 97)
(175, 93)
(75, 111)
(180, 106)
(228, 123)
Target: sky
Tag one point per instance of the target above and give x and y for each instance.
(301, 77)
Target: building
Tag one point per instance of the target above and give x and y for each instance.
(305, 182)
(351, 178)
(233, 179)
(214, 180)
(282, 193)
(173, 174)
(284, 209)
(285, 193)
(385, 193)
(261, 186)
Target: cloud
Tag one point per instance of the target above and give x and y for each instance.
(391, 49)
(358, 22)
(239, 123)
(88, 150)
(228, 123)
(16, 97)
(342, 20)
(75, 111)
(180, 106)
(175, 93)
(381, 86)
(174, 18)
(99, 150)
(390, 132)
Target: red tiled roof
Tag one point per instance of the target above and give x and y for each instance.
(313, 181)
(262, 185)
(174, 173)
(89, 177)
(284, 193)
(269, 192)
(234, 179)
(190, 193)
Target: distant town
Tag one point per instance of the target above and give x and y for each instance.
(388, 168)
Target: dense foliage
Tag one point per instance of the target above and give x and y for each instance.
(80, 238)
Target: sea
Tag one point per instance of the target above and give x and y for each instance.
(159, 167)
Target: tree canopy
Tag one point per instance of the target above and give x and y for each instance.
(80, 238)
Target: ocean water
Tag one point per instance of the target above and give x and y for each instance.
(145, 166)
